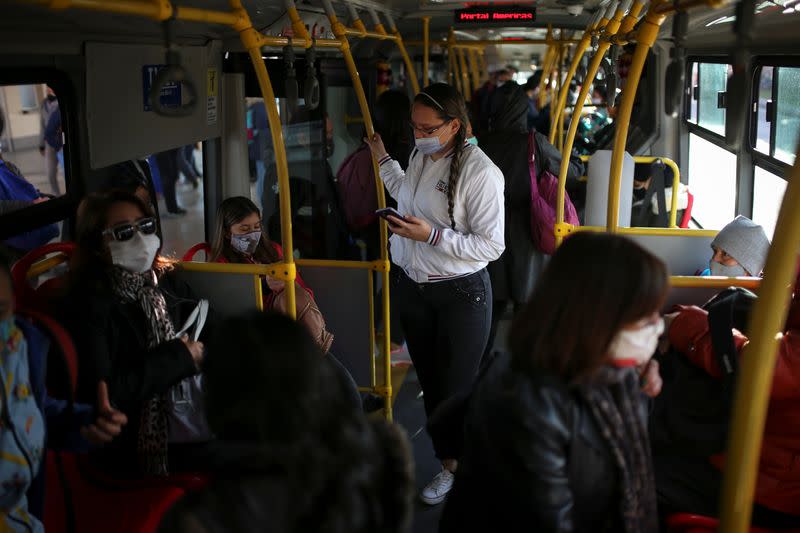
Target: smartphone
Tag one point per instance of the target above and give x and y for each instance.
(384, 213)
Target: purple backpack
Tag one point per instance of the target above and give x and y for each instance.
(544, 191)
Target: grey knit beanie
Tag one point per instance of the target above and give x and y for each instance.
(745, 241)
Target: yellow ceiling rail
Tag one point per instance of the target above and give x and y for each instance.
(754, 381)
(614, 15)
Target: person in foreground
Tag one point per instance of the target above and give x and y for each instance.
(556, 435)
(293, 454)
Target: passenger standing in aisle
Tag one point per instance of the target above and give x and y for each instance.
(451, 199)
(556, 434)
(47, 147)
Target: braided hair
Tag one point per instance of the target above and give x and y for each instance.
(449, 104)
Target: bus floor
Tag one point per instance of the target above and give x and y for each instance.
(409, 412)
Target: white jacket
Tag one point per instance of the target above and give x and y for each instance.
(479, 213)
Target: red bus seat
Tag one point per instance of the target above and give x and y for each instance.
(687, 213)
(692, 523)
(41, 297)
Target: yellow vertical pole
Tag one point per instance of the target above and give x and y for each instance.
(754, 382)
(473, 68)
(580, 50)
(611, 27)
(251, 41)
(465, 88)
(298, 27)
(555, 116)
(426, 23)
(646, 36)
(453, 51)
(544, 81)
(484, 65)
(340, 33)
(412, 71)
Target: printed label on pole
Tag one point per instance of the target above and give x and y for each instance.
(211, 96)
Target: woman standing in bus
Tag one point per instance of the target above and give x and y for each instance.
(452, 225)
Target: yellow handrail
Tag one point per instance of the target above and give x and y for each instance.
(473, 69)
(462, 65)
(386, 391)
(754, 382)
(676, 181)
(647, 34)
(610, 28)
(580, 50)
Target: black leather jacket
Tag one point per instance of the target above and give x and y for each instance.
(533, 460)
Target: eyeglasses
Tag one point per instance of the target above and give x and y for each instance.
(126, 231)
(430, 131)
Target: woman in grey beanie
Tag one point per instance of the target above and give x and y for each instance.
(740, 249)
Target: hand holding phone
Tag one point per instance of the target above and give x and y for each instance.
(390, 211)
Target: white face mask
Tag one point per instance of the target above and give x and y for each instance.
(634, 347)
(137, 253)
(428, 145)
(718, 269)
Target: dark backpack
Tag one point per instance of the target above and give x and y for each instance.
(691, 415)
(355, 182)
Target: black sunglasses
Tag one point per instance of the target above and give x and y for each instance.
(124, 232)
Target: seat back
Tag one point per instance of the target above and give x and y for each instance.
(684, 255)
(39, 298)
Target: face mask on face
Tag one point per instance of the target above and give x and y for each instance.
(718, 269)
(246, 243)
(137, 253)
(428, 145)
(634, 347)
(473, 141)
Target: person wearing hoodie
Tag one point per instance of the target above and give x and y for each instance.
(506, 144)
(689, 484)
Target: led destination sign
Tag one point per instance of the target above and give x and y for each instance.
(499, 15)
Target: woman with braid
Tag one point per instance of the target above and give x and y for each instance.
(451, 199)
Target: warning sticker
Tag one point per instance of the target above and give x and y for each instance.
(212, 91)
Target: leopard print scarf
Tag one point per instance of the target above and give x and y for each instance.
(614, 400)
(131, 287)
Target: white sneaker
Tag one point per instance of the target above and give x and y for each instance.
(435, 492)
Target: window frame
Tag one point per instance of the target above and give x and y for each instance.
(768, 161)
(697, 128)
(61, 207)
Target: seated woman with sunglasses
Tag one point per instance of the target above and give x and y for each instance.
(123, 311)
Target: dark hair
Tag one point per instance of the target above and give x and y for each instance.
(594, 285)
(449, 104)
(91, 260)
(231, 211)
(124, 176)
(391, 114)
(271, 386)
(534, 80)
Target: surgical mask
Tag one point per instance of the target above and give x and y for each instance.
(137, 253)
(634, 347)
(428, 145)
(473, 141)
(718, 269)
(246, 243)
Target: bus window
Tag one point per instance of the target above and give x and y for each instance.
(33, 138)
(778, 112)
(768, 192)
(708, 80)
(712, 178)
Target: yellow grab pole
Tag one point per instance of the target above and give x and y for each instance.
(484, 65)
(298, 27)
(412, 74)
(462, 63)
(340, 33)
(412, 71)
(252, 42)
(548, 60)
(356, 21)
(580, 50)
(754, 382)
(426, 23)
(611, 28)
(647, 34)
(473, 69)
(555, 117)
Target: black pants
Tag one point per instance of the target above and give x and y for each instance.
(168, 170)
(446, 325)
